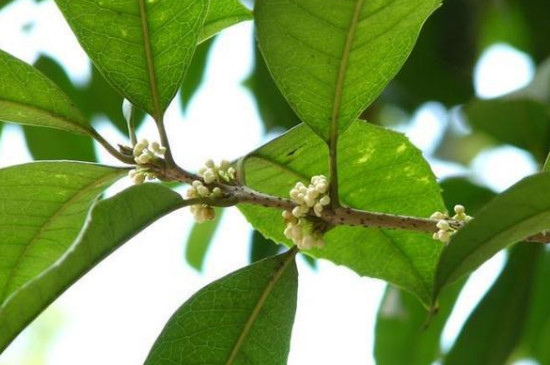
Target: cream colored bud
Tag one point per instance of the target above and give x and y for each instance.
(318, 209)
(138, 179)
(209, 163)
(325, 200)
(203, 191)
(459, 209)
(209, 176)
(438, 215)
(309, 201)
(297, 212)
(443, 225)
(287, 215)
(444, 236)
(321, 188)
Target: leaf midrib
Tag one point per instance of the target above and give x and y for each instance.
(149, 61)
(76, 125)
(259, 305)
(336, 105)
(47, 224)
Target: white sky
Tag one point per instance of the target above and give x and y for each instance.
(113, 315)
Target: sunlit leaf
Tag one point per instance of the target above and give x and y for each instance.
(380, 171)
(199, 241)
(494, 328)
(143, 48)
(331, 59)
(195, 74)
(110, 224)
(223, 14)
(520, 211)
(243, 318)
(28, 97)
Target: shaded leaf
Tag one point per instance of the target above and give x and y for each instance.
(523, 123)
(261, 247)
(110, 223)
(332, 59)
(199, 240)
(494, 328)
(51, 144)
(243, 318)
(402, 334)
(223, 14)
(380, 171)
(195, 74)
(42, 207)
(143, 48)
(536, 335)
(274, 109)
(520, 211)
(28, 97)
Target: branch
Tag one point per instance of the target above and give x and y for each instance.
(340, 216)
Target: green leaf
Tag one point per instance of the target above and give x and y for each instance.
(243, 318)
(142, 47)
(195, 74)
(261, 247)
(110, 223)
(380, 171)
(223, 14)
(42, 207)
(28, 97)
(523, 123)
(274, 109)
(536, 334)
(520, 211)
(403, 334)
(331, 59)
(494, 328)
(199, 241)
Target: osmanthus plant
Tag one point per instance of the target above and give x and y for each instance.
(335, 187)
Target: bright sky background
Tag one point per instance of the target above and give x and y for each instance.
(113, 315)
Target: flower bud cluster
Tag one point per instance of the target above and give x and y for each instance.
(313, 196)
(202, 212)
(212, 172)
(298, 227)
(445, 231)
(139, 174)
(144, 153)
(301, 232)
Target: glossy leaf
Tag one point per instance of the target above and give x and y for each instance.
(195, 74)
(42, 207)
(143, 48)
(494, 328)
(243, 318)
(110, 223)
(520, 211)
(331, 59)
(380, 171)
(28, 97)
(403, 334)
(199, 241)
(223, 14)
(523, 123)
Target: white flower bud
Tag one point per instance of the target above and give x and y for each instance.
(443, 225)
(444, 236)
(438, 215)
(209, 163)
(138, 179)
(203, 191)
(287, 215)
(459, 209)
(297, 212)
(318, 209)
(196, 184)
(309, 201)
(216, 192)
(209, 176)
(325, 200)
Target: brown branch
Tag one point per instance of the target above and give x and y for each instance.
(341, 216)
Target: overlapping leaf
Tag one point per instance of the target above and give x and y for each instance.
(143, 48)
(42, 207)
(331, 59)
(244, 318)
(495, 327)
(222, 14)
(520, 211)
(110, 223)
(380, 171)
(28, 97)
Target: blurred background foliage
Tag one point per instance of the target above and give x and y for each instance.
(512, 321)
